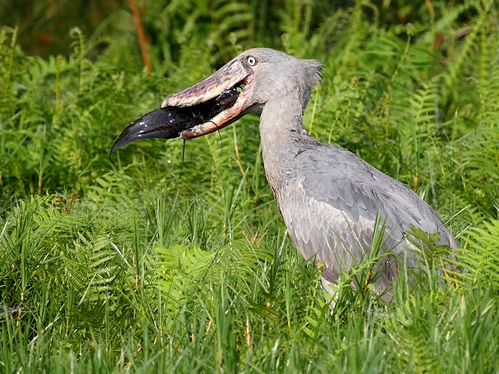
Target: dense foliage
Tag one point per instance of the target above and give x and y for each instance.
(148, 260)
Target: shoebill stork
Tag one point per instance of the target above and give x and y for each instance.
(328, 197)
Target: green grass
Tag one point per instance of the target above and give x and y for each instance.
(149, 263)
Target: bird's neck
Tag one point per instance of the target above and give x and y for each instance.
(282, 135)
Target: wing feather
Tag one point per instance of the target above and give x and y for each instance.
(330, 203)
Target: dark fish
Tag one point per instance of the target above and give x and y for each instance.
(227, 98)
(166, 123)
(169, 122)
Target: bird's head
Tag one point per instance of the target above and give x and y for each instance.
(243, 85)
(256, 76)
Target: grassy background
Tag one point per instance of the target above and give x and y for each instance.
(147, 262)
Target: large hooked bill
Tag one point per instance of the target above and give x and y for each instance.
(201, 109)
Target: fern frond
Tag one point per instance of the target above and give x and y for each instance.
(481, 259)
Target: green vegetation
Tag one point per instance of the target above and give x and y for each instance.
(151, 263)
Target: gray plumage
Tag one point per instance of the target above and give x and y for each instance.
(329, 198)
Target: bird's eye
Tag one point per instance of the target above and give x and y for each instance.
(251, 61)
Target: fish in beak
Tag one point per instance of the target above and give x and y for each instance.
(208, 106)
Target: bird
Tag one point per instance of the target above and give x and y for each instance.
(331, 201)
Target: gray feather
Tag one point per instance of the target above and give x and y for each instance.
(330, 202)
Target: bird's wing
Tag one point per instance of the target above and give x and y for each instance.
(332, 199)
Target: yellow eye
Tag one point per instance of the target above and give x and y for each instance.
(251, 61)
